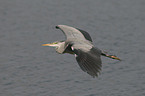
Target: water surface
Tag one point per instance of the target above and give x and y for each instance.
(28, 69)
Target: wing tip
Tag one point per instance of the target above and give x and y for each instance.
(57, 26)
(94, 75)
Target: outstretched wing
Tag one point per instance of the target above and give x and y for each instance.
(89, 61)
(74, 33)
(86, 34)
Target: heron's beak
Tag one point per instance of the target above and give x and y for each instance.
(47, 44)
(51, 45)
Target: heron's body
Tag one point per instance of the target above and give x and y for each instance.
(79, 42)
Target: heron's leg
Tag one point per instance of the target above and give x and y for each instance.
(110, 56)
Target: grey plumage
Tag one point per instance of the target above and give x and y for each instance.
(79, 42)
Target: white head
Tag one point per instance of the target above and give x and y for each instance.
(59, 46)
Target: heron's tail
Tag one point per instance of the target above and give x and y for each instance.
(110, 56)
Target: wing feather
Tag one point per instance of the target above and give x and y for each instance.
(90, 61)
(86, 34)
(75, 33)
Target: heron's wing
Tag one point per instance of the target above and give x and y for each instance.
(86, 34)
(90, 61)
(74, 33)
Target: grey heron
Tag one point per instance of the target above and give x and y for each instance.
(79, 43)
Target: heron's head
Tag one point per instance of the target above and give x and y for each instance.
(55, 44)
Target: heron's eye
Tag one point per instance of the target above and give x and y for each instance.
(55, 43)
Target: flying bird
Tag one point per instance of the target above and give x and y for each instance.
(79, 43)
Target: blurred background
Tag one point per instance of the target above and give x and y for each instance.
(28, 69)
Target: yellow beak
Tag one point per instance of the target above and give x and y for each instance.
(46, 44)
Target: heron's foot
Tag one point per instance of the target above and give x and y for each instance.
(110, 56)
(114, 57)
